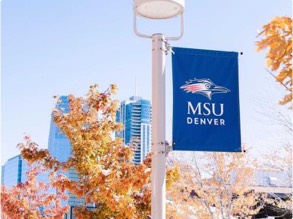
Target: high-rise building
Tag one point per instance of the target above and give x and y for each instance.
(2, 174)
(135, 115)
(59, 147)
(13, 171)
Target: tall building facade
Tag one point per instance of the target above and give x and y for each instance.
(59, 147)
(135, 115)
(14, 171)
(58, 144)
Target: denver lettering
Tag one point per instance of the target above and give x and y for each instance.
(205, 121)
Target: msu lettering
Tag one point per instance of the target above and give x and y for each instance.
(205, 113)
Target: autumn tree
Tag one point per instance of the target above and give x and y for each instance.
(34, 199)
(280, 161)
(277, 38)
(215, 186)
(108, 179)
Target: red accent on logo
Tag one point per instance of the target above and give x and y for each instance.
(194, 87)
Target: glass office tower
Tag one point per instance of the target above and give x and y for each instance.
(135, 115)
(59, 147)
(2, 174)
(13, 171)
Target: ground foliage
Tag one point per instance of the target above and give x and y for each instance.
(277, 38)
(107, 176)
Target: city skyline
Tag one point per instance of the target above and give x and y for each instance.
(53, 48)
(57, 139)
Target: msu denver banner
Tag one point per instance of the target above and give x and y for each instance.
(205, 100)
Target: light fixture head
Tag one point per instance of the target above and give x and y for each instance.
(158, 9)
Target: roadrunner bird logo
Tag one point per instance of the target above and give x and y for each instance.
(204, 87)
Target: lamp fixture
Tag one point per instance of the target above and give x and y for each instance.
(159, 9)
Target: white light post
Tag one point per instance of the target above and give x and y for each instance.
(158, 9)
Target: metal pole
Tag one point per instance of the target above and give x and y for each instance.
(159, 52)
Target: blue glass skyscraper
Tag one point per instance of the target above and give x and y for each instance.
(135, 115)
(59, 147)
(14, 171)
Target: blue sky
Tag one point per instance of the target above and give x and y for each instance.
(53, 47)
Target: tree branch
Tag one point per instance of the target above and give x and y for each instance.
(287, 88)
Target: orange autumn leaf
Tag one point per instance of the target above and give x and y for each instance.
(277, 38)
(107, 177)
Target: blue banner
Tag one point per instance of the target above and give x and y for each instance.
(206, 115)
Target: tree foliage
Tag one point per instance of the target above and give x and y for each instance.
(280, 161)
(107, 176)
(33, 199)
(216, 186)
(277, 38)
